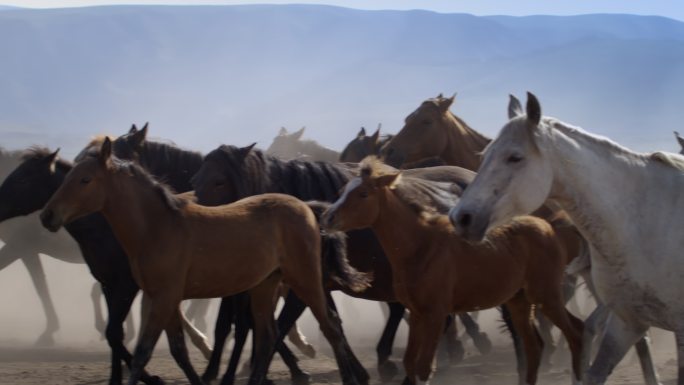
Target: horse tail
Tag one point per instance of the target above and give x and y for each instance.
(335, 264)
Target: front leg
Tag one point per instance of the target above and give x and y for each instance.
(618, 337)
(411, 353)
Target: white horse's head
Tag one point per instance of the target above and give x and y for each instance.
(513, 179)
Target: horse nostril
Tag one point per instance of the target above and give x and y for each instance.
(465, 220)
(46, 217)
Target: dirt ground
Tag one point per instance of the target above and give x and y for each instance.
(90, 366)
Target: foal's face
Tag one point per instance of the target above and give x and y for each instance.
(514, 179)
(83, 192)
(28, 187)
(359, 205)
(423, 134)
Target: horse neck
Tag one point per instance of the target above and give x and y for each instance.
(464, 144)
(318, 152)
(172, 165)
(589, 185)
(398, 222)
(135, 212)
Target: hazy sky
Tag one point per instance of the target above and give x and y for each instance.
(668, 8)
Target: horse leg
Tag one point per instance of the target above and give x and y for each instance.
(314, 297)
(197, 312)
(411, 353)
(299, 340)
(262, 303)
(359, 371)
(618, 337)
(592, 325)
(174, 334)
(454, 346)
(430, 327)
(644, 353)
(521, 313)
(291, 311)
(240, 308)
(35, 269)
(196, 337)
(155, 314)
(387, 368)
(549, 344)
(571, 327)
(679, 339)
(95, 295)
(119, 301)
(520, 358)
(221, 332)
(480, 339)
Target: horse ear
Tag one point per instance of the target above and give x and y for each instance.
(282, 132)
(244, 151)
(679, 139)
(388, 180)
(362, 133)
(133, 129)
(534, 113)
(514, 107)
(445, 103)
(440, 96)
(138, 137)
(376, 135)
(51, 160)
(298, 134)
(105, 151)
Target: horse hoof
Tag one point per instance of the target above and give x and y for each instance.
(301, 378)
(387, 370)
(45, 340)
(483, 344)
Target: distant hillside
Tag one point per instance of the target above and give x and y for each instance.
(204, 75)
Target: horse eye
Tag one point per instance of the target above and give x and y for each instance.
(86, 179)
(514, 159)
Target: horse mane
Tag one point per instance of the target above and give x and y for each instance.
(258, 173)
(416, 192)
(94, 145)
(675, 161)
(167, 195)
(35, 152)
(170, 163)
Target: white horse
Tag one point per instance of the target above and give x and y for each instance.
(627, 205)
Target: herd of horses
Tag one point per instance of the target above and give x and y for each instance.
(400, 219)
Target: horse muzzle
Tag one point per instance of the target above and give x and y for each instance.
(50, 221)
(470, 225)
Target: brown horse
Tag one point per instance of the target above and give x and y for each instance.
(178, 249)
(436, 272)
(364, 145)
(432, 130)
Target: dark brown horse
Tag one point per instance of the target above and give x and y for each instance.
(178, 249)
(364, 145)
(436, 272)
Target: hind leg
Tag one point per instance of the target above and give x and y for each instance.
(222, 329)
(480, 339)
(359, 370)
(571, 327)
(35, 269)
(174, 334)
(521, 315)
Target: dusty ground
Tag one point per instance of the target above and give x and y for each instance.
(90, 366)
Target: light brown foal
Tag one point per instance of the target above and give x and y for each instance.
(178, 249)
(437, 273)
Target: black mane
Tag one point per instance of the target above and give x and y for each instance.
(139, 173)
(170, 164)
(258, 173)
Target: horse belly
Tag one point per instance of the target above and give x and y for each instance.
(645, 301)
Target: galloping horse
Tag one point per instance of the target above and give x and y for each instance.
(26, 190)
(627, 205)
(437, 272)
(230, 173)
(178, 249)
(24, 239)
(288, 146)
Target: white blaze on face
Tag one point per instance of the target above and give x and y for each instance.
(351, 186)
